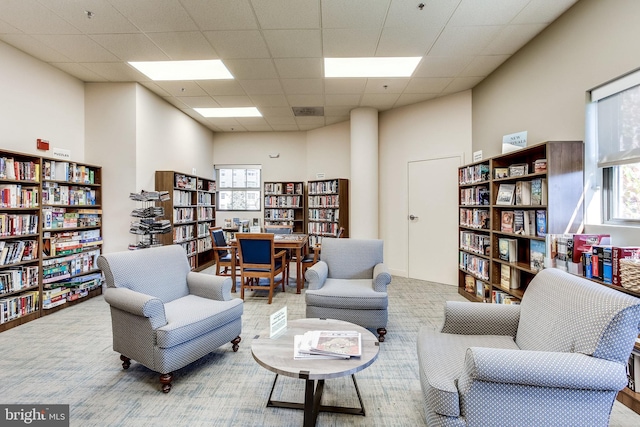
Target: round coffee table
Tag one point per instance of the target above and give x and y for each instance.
(276, 355)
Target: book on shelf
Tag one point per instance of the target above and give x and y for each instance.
(538, 191)
(508, 249)
(328, 344)
(469, 283)
(541, 223)
(506, 221)
(505, 194)
(480, 288)
(523, 193)
(520, 222)
(509, 277)
(540, 165)
(537, 251)
(519, 169)
(501, 173)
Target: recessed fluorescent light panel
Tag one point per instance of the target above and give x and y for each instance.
(211, 69)
(370, 67)
(229, 112)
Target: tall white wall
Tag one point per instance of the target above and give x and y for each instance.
(39, 101)
(328, 152)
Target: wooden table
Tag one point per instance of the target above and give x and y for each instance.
(276, 355)
(295, 242)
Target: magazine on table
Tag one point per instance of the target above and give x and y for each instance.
(328, 345)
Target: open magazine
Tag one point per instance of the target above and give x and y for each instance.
(327, 345)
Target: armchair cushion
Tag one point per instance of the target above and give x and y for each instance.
(207, 286)
(316, 275)
(480, 319)
(137, 304)
(351, 258)
(358, 292)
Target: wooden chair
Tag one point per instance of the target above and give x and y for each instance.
(224, 256)
(311, 258)
(258, 259)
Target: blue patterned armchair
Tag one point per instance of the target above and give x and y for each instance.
(350, 283)
(559, 358)
(162, 314)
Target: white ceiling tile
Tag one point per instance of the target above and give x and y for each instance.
(238, 44)
(6, 28)
(289, 14)
(77, 47)
(262, 87)
(130, 47)
(346, 43)
(353, 86)
(115, 71)
(184, 45)
(342, 100)
(312, 120)
(182, 89)
(305, 100)
(221, 14)
(251, 68)
(427, 85)
(486, 12)
(299, 68)
(234, 101)
(406, 42)
(285, 128)
(105, 19)
(294, 43)
(337, 111)
(156, 15)
(33, 47)
(543, 11)
(413, 98)
(198, 101)
(464, 40)
(281, 120)
(354, 13)
(252, 121)
(79, 71)
(442, 66)
(386, 86)
(258, 128)
(380, 101)
(269, 100)
(176, 102)
(33, 18)
(153, 87)
(223, 121)
(406, 14)
(231, 128)
(512, 38)
(482, 66)
(302, 86)
(276, 112)
(221, 87)
(335, 119)
(461, 83)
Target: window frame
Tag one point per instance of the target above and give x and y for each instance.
(245, 189)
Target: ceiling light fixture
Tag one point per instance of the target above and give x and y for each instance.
(229, 112)
(211, 69)
(370, 67)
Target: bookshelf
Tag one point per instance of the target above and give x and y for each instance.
(486, 226)
(328, 208)
(284, 204)
(190, 208)
(20, 287)
(71, 233)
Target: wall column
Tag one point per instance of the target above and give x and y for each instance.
(363, 186)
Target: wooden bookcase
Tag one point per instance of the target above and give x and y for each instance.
(481, 228)
(328, 208)
(191, 209)
(284, 204)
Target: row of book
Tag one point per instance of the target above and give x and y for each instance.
(182, 233)
(11, 168)
(55, 170)
(323, 228)
(474, 196)
(12, 252)
(323, 187)
(60, 218)
(205, 199)
(508, 252)
(18, 224)
(70, 242)
(520, 169)
(182, 198)
(183, 215)
(211, 186)
(204, 244)
(205, 213)
(203, 229)
(524, 222)
(324, 215)
(473, 174)
(56, 194)
(283, 188)
(54, 271)
(16, 279)
(16, 306)
(186, 182)
(473, 242)
(475, 218)
(523, 193)
(281, 214)
(633, 371)
(73, 289)
(189, 247)
(324, 201)
(475, 265)
(500, 297)
(282, 201)
(18, 196)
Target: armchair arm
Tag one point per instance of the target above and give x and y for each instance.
(138, 304)
(209, 286)
(317, 274)
(541, 369)
(470, 318)
(381, 277)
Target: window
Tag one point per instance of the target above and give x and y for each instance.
(618, 148)
(239, 188)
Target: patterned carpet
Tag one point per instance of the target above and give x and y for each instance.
(67, 358)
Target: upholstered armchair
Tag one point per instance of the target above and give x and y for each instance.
(559, 358)
(350, 283)
(163, 315)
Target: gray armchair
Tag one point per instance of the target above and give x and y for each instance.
(162, 314)
(559, 358)
(350, 283)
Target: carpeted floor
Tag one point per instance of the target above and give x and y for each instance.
(67, 358)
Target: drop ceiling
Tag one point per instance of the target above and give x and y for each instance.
(275, 48)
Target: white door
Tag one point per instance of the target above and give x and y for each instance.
(433, 219)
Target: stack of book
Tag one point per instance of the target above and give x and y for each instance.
(327, 345)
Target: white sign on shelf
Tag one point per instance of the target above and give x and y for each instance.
(61, 153)
(278, 322)
(514, 141)
(477, 156)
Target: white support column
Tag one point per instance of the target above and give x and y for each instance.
(363, 185)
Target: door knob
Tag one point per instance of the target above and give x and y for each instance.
(412, 217)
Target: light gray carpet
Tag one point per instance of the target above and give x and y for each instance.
(67, 358)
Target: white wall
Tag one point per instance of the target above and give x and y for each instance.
(328, 152)
(39, 101)
(427, 130)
